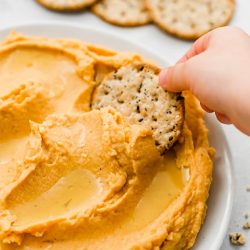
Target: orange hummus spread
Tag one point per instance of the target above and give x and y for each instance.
(75, 178)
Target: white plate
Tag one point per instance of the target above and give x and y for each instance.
(221, 194)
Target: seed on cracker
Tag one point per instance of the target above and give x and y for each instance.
(190, 19)
(135, 92)
(66, 5)
(122, 12)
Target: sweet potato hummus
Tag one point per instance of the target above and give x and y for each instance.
(75, 178)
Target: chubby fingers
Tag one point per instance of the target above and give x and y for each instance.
(176, 78)
(223, 118)
(199, 46)
(206, 108)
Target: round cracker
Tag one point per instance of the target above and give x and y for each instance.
(66, 5)
(190, 19)
(134, 91)
(122, 12)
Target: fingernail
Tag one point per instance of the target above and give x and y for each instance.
(163, 77)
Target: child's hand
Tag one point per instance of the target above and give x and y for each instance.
(217, 71)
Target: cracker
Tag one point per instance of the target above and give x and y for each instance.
(66, 5)
(237, 239)
(122, 12)
(135, 92)
(190, 19)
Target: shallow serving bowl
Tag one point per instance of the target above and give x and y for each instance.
(221, 194)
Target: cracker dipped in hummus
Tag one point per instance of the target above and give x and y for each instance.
(75, 177)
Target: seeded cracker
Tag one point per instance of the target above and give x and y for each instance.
(122, 12)
(66, 5)
(134, 91)
(190, 19)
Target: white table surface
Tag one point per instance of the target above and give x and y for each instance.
(19, 11)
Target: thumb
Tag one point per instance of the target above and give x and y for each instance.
(175, 78)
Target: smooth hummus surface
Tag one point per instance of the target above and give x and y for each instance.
(76, 178)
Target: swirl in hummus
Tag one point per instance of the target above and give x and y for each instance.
(75, 178)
